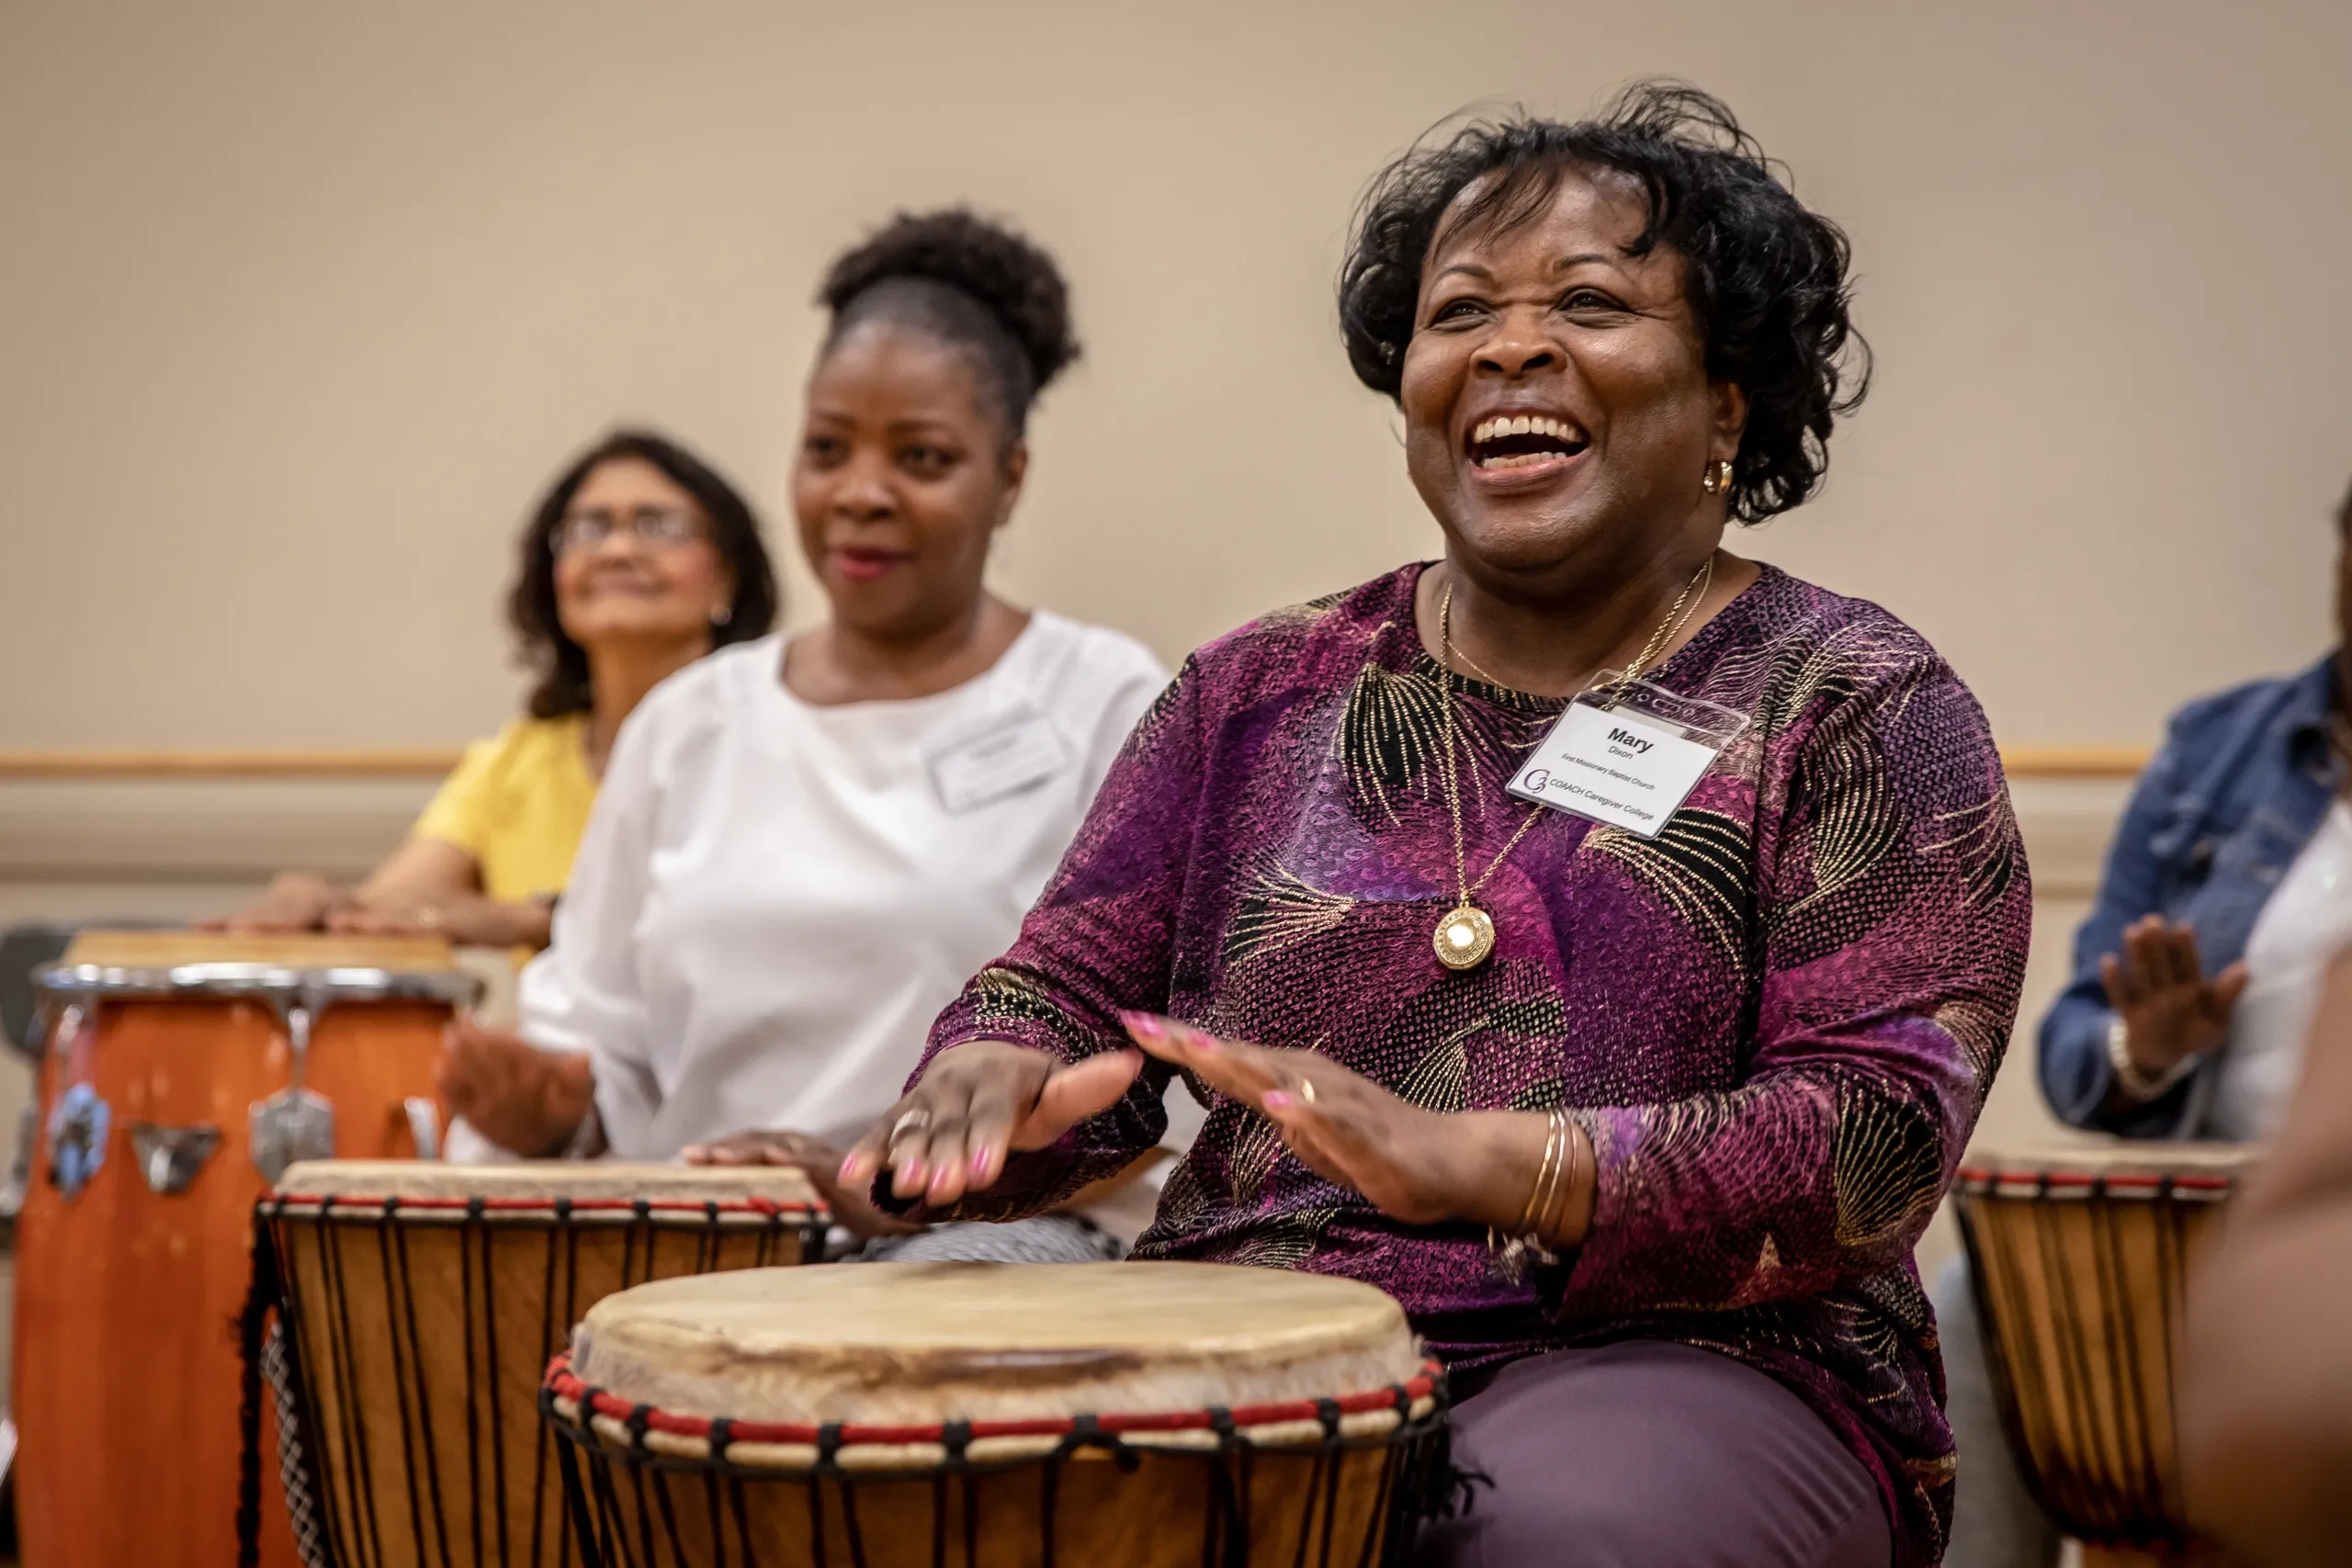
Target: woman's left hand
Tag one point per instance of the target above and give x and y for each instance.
(1417, 1166)
(465, 920)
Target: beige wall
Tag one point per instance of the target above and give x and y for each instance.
(299, 303)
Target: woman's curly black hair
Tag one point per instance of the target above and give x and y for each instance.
(1767, 278)
(972, 283)
(547, 649)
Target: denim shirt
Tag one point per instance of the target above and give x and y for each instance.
(2243, 782)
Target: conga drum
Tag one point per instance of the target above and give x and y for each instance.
(2081, 1258)
(180, 1073)
(912, 1415)
(422, 1304)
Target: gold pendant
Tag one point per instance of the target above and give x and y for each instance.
(1464, 937)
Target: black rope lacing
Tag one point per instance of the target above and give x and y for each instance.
(1415, 1482)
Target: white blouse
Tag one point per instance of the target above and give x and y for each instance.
(773, 900)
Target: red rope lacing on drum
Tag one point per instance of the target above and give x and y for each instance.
(563, 1384)
(360, 1207)
(2128, 1182)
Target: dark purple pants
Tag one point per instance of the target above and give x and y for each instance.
(1646, 1455)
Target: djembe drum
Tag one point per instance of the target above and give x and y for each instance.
(891, 1414)
(180, 1072)
(2081, 1258)
(422, 1304)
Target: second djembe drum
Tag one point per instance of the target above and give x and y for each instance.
(420, 1305)
(2081, 1258)
(897, 1414)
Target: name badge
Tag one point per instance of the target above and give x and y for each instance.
(1008, 759)
(1627, 755)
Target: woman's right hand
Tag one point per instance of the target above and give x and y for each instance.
(2157, 987)
(976, 1103)
(294, 901)
(815, 1159)
(517, 1096)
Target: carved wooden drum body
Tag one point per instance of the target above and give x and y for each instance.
(2081, 1258)
(180, 1072)
(894, 1415)
(422, 1304)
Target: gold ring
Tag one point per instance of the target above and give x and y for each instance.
(1307, 1091)
(915, 1120)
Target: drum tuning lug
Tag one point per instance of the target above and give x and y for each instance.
(290, 1125)
(423, 1125)
(77, 1138)
(170, 1156)
(299, 1015)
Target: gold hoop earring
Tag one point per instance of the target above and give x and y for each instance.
(1717, 478)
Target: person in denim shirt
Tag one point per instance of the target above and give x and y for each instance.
(2246, 779)
(2243, 781)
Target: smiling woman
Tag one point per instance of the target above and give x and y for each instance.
(1601, 942)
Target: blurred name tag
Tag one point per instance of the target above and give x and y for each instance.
(1019, 752)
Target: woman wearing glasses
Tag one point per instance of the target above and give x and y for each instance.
(805, 845)
(639, 560)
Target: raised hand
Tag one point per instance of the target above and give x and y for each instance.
(2157, 987)
(976, 1103)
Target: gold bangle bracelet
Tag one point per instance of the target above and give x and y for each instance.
(1513, 1250)
(1552, 1215)
(1543, 1178)
(1559, 1133)
(1539, 1196)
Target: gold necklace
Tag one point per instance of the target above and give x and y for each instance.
(1464, 937)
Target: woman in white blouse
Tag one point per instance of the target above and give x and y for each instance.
(805, 846)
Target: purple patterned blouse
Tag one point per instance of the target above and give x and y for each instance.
(1777, 1020)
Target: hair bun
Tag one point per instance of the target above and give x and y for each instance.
(1014, 280)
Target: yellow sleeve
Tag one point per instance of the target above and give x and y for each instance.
(459, 812)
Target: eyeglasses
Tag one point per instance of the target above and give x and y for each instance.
(655, 527)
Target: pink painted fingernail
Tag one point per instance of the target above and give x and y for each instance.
(984, 1167)
(1148, 1025)
(1276, 1099)
(849, 1168)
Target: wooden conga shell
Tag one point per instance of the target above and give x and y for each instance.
(2081, 1258)
(126, 1359)
(424, 1302)
(905, 1415)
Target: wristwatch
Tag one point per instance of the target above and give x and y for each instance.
(2134, 1081)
